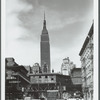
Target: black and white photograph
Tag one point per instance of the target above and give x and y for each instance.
(49, 50)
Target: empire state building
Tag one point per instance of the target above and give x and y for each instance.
(45, 49)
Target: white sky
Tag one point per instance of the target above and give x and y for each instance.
(68, 23)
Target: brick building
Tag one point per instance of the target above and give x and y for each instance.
(77, 82)
(45, 82)
(16, 80)
(86, 57)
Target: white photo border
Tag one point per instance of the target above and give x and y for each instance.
(3, 31)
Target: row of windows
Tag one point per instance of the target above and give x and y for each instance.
(46, 77)
(86, 55)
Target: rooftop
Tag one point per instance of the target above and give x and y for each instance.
(86, 40)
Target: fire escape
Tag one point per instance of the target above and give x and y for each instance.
(90, 58)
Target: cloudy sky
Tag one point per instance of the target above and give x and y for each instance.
(68, 23)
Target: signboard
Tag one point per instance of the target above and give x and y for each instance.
(52, 90)
(14, 81)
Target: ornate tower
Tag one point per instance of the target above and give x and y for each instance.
(65, 67)
(45, 49)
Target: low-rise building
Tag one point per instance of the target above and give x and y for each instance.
(45, 83)
(21, 82)
(16, 80)
(77, 82)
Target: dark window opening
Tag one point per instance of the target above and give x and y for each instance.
(52, 79)
(46, 76)
(39, 76)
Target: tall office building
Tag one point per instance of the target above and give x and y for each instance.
(45, 49)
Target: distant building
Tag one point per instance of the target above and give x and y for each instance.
(86, 57)
(36, 68)
(45, 49)
(67, 66)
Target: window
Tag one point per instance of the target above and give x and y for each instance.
(46, 76)
(52, 79)
(39, 76)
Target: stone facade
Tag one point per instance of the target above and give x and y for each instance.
(86, 55)
(67, 66)
(36, 68)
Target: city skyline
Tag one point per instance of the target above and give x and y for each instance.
(68, 23)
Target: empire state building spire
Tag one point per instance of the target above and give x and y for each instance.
(45, 49)
(44, 31)
(44, 15)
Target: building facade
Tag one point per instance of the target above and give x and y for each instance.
(86, 57)
(67, 66)
(16, 80)
(22, 83)
(51, 86)
(45, 49)
(36, 68)
(77, 82)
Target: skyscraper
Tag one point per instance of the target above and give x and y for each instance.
(45, 49)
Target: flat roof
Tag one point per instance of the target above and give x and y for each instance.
(42, 74)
